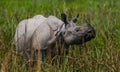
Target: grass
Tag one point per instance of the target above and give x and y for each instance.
(99, 55)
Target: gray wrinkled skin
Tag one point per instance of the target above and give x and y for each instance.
(25, 30)
(43, 32)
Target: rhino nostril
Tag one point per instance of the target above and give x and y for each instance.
(91, 33)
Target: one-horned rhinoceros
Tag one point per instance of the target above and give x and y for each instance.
(48, 30)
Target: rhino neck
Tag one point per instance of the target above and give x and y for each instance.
(62, 41)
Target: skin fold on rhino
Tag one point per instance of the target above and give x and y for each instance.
(42, 33)
(25, 30)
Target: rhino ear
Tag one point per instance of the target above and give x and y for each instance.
(74, 20)
(64, 18)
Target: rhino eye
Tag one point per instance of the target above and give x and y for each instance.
(77, 30)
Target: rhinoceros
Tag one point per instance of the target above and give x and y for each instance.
(40, 33)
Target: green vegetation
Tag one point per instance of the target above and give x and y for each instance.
(99, 55)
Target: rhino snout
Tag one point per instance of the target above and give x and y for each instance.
(90, 35)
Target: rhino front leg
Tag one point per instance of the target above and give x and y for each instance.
(44, 54)
(66, 50)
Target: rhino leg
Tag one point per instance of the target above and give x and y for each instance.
(66, 50)
(44, 54)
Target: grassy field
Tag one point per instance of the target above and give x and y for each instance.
(99, 55)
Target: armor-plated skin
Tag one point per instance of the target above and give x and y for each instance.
(25, 30)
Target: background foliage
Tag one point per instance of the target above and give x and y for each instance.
(99, 55)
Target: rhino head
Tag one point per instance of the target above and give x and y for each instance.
(73, 34)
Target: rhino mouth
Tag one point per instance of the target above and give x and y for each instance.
(88, 36)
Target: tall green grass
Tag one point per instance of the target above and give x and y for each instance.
(99, 55)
